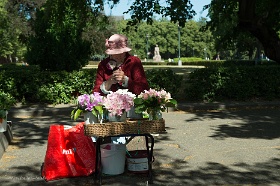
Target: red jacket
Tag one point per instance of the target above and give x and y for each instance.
(132, 68)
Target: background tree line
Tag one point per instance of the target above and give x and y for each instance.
(63, 34)
(163, 33)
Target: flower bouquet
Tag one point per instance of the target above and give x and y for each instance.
(3, 115)
(119, 102)
(153, 102)
(88, 103)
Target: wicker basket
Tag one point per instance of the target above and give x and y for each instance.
(145, 126)
(128, 127)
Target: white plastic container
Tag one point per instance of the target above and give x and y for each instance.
(113, 158)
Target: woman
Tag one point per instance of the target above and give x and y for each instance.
(120, 70)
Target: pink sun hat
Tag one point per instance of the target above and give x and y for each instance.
(116, 44)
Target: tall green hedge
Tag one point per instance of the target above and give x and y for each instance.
(234, 83)
(29, 84)
(216, 83)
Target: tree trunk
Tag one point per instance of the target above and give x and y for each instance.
(257, 26)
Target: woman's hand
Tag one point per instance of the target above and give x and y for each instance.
(118, 75)
(110, 82)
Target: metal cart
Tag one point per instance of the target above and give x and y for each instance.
(149, 148)
(130, 128)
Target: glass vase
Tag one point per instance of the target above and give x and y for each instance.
(155, 115)
(133, 115)
(90, 118)
(117, 118)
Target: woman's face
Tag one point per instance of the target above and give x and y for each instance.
(118, 57)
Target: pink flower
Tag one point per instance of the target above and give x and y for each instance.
(88, 102)
(153, 100)
(118, 102)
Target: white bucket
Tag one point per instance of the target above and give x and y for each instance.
(113, 158)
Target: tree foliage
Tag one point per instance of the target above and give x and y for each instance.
(256, 17)
(10, 46)
(63, 34)
(145, 10)
(57, 43)
(252, 18)
(165, 34)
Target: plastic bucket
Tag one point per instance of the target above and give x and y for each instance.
(113, 158)
(137, 161)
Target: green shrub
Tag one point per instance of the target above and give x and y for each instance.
(188, 59)
(6, 101)
(29, 84)
(164, 79)
(215, 83)
(234, 83)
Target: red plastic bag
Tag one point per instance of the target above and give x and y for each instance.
(69, 153)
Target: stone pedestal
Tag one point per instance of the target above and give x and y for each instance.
(157, 57)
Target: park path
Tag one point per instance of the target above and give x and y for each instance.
(237, 147)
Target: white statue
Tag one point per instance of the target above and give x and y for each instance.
(157, 57)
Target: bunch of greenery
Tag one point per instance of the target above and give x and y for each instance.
(2, 115)
(6, 102)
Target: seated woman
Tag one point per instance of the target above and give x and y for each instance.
(120, 70)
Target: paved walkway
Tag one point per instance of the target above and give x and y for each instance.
(217, 144)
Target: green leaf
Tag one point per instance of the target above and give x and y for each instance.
(99, 108)
(171, 103)
(140, 108)
(138, 101)
(77, 114)
(94, 112)
(73, 113)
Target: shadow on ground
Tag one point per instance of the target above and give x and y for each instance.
(257, 124)
(34, 131)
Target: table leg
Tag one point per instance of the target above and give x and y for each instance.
(150, 156)
(98, 167)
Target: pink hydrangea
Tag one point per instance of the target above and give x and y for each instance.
(118, 102)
